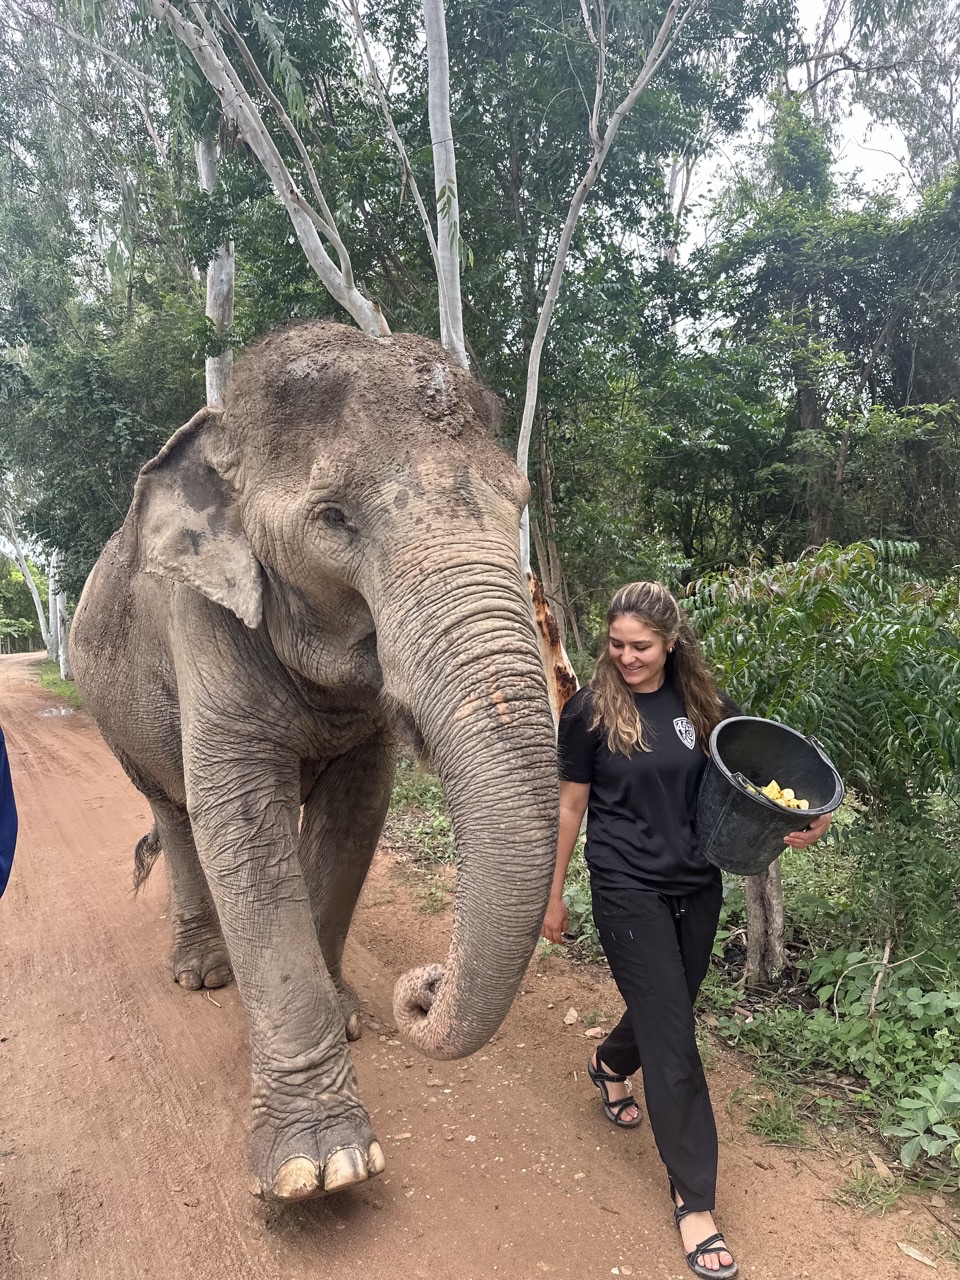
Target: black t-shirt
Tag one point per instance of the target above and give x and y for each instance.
(641, 831)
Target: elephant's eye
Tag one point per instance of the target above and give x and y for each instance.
(334, 517)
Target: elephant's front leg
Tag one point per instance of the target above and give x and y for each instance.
(311, 1132)
(341, 824)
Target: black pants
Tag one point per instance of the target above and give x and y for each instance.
(658, 948)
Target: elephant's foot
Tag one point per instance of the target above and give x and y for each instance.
(199, 956)
(315, 1161)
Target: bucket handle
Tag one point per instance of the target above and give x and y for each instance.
(756, 792)
(758, 795)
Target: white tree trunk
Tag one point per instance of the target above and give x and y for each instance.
(18, 557)
(445, 181)
(53, 634)
(673, 21)
(239, 107)
(63, 630)
(221, 273)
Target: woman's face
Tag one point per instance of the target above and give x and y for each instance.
(638, 653)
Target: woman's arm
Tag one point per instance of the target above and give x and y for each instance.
(574, 797)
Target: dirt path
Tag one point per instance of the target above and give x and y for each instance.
(123, 1100)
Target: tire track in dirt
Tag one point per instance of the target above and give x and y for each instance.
(123, 1100)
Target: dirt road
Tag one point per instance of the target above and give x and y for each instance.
(123, 1100)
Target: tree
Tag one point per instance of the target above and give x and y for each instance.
(21, 607)
(836, 301)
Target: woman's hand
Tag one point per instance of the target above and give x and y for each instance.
(556, 921)
(801, 839)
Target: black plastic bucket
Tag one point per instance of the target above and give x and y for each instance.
(741, 831)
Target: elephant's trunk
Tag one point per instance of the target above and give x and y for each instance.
(476, 688)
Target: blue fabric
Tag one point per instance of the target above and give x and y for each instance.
(8, 818)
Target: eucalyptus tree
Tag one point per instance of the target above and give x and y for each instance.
(900, 61)
(98, 327)
(852, 306)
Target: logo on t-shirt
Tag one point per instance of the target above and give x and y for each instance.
(685, 732)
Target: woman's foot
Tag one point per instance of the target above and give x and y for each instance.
(699, 1229)
(613, 1089)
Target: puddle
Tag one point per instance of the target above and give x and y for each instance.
(57, 711)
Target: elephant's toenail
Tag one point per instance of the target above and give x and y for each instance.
(296, 1179)
(344, 1168)
(375, 1159)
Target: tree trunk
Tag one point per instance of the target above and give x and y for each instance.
(765, 949)
(239, 107)
(445, 181)
(819, 480)
(221, 272)
(63, 630)
(53, 629)
(20, 560)
(670, 27)
(548, 552)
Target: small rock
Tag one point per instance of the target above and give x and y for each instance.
(937, 1201)
(594, 1033)
(471, 1137)
(578, 1176)
(570, 1017)
(401, 1137)
(626, 1271)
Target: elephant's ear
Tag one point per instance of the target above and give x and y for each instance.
(188, 521)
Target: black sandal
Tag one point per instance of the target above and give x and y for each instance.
(712, 1244)
(613, 1110)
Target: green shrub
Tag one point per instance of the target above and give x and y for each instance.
(48, 674)
(417, 820)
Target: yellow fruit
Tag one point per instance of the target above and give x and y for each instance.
(785, 796)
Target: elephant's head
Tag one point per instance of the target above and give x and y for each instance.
(352, 501)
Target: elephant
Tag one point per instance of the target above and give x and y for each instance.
(332, 553)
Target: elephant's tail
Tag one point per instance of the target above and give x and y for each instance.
(145, 855)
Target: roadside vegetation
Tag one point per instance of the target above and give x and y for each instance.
(48, 674)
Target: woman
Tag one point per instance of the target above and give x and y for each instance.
(632, 751)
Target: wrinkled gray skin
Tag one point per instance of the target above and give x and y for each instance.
(341, 542)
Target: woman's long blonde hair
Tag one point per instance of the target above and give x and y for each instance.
(613, 705)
